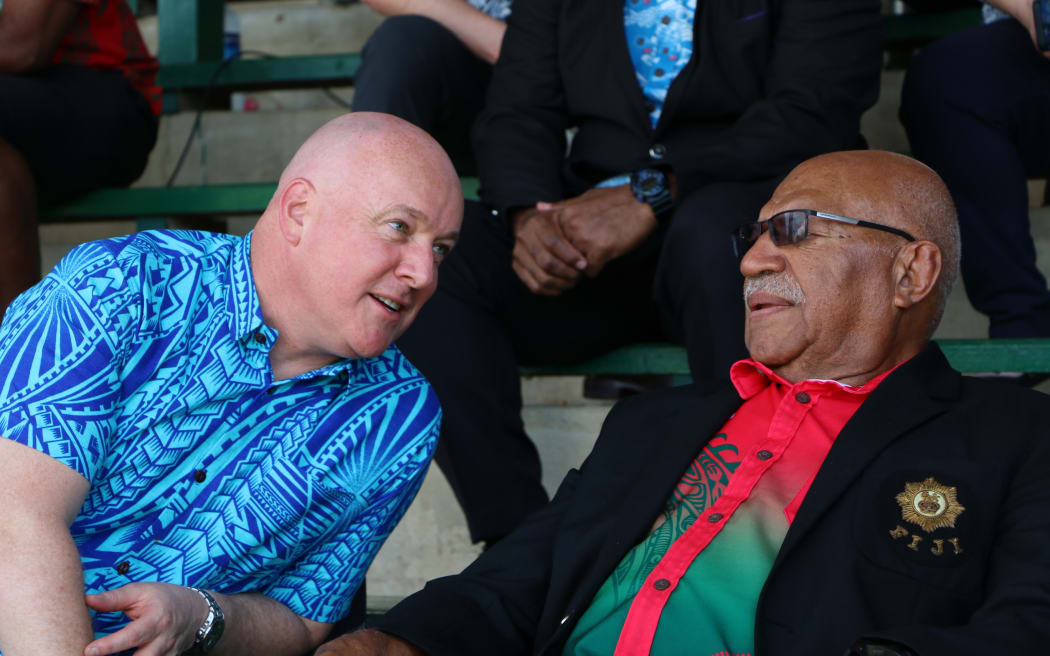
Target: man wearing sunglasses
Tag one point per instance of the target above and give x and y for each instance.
(849, 493)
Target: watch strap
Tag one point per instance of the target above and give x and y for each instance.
(211, 630)
(659, 200)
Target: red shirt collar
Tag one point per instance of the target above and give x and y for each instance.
(750, 377)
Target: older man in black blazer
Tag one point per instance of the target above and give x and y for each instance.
(554, 268)
(916, 507)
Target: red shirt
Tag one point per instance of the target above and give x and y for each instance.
(105, 36)
(699, 598)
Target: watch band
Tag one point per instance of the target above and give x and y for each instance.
(211, 630)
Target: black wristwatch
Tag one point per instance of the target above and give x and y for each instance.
(652, 186)
(210, 632)
(1041, 9)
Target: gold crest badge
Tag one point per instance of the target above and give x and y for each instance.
(930, 505)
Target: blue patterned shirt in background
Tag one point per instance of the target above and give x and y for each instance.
(496, 8)
(142, 363)
(660, 40)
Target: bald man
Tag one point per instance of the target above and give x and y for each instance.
(849, 493)
(211, 436)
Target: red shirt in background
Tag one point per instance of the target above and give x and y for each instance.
(105, 36)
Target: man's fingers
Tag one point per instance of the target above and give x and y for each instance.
(550, 247)
(110, 600)
(547, 260)
(535, 278)
(128, 637)
(568, 254)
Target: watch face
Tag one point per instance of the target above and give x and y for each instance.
(649, 182)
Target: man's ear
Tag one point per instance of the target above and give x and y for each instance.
(916, 270)
(296, 203)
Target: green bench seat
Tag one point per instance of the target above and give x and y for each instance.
(150, 206)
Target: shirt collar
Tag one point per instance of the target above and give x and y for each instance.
(245, 312)
(242, 302)
(750, 377)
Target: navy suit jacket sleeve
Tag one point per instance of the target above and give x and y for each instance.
(770, 83)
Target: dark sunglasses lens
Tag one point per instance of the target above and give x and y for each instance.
(788, 228)
(744, 236)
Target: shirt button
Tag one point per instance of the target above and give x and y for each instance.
(260, 338)
(657, 151)
(764, 455)
(802, 397)
(123, 568)
(714, 517)
(659, 72)
(666, 20)
(564, 619)
(661, 584)
(200, 475)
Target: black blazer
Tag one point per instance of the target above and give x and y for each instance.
(840, 574)
(770, 84)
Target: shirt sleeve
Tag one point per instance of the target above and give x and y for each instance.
(322, 583)
(60, 347)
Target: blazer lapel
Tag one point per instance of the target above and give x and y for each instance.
(914, 393)
(665, 459)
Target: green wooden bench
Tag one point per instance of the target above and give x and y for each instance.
(150, 207)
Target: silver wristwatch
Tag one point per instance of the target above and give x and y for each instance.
(210, 632)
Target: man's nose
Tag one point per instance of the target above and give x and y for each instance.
(417, 266)
(763, 256)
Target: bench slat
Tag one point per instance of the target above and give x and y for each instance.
(267, 73)
(136, 202)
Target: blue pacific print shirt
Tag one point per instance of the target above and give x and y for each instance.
(141, 362)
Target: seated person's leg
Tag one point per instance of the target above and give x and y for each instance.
(470, 339)
(698, 282)
(72, 129)
(414, 68)
(976, 106)
(19, 248)
(460, 342)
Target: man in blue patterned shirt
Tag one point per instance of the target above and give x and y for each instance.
(190, 409)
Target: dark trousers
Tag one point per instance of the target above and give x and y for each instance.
(976, 106)
(482, 323)
(77, 128)
(414, 68)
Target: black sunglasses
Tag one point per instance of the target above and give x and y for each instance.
(792, 226)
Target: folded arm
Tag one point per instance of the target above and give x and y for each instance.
(481, 33)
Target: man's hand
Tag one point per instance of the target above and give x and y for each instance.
(392, 7)
(368, 642)
(164, 619)
(603, 223)
(544, 258)
(1022, 11)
